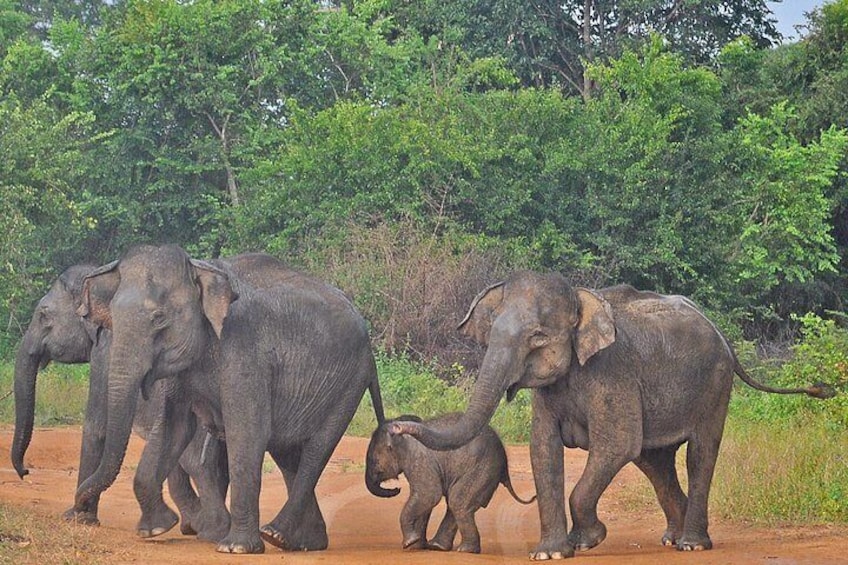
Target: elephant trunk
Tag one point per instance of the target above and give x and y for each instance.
(122, 399)
(27, 364)
(373, 479)
(498, 371)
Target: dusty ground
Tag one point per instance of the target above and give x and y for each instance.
(364, 529)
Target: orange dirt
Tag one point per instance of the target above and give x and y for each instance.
(364, 529)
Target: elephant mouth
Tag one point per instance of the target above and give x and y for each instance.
(390, 484)
(512, 391)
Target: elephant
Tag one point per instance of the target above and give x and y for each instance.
(278, 367)
(57, 333)
(627, 375)
(466, 477)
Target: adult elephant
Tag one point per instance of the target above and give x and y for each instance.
(57, 333)
(280, 368)
(624, 374)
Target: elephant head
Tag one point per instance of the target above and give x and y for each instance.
(55, 333)
(165, 311)
(535, 328)
(383, 460)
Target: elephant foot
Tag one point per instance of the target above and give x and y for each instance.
(552, 550)
(297, 540)
(230, 544)
(700, 542)
(188, 513)
(670, 538)
(584, 539)
(84, 517)
(437, 544)
(469, 547)
(212, 526)
(156, 524)
(414, 542)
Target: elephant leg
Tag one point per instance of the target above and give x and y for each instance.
(310, 528)
(546, 459)
(659, 466)
(443, 540)
(701, 456)
(167, 440)
(93, 439)
(245, 453)
(467, 529)
(587, 530)
(415, 516)
(299, 524)
(186, 499)
(207, 512)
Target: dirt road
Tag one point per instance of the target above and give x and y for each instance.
(364, 529)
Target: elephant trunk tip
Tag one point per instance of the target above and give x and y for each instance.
(821, 390)
(402, 428)
(20, 469)
(378, 490)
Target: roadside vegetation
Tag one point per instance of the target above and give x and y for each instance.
(783, 459)
(406, 153)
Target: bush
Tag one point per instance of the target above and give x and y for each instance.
(414, 287)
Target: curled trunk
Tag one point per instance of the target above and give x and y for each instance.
(372, 481)
(498, 371)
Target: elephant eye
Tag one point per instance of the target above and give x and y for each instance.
(159, 320)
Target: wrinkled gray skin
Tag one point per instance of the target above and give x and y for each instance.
(626, 375)
(57, 333)
(466, 477)
(281, 369)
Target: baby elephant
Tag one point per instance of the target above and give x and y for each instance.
(467, 477)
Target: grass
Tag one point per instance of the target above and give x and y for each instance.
(790, 471)
(29, 538)
(61, 394)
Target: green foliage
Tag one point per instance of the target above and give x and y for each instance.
(43, 222)
(61, 394)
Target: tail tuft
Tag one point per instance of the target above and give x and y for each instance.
(821, 390)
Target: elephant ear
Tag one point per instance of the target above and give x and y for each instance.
(596, 327)
(216, 293)
(98, 288)
(481, 315)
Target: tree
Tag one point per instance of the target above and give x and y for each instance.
(547, 42)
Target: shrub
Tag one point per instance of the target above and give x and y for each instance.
(414, 287)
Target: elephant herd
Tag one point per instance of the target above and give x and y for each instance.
(214, 363)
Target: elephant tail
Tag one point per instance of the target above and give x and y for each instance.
(505, 481)
(818, 390)
(377, 399)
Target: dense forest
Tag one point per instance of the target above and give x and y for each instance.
(411, 152)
